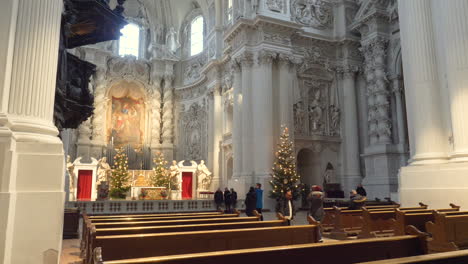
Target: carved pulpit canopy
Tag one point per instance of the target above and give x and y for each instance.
(91, 21)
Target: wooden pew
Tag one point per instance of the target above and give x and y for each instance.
(175, 228)
(185, 228)
(157, 218)
(148, 245)
(449, 231)
(328, 218)
(87, 238)
(343, 252)
(350, 222)
(153, 215)
(328, 221)
(454, 257)
(383, 223)
(416, 218)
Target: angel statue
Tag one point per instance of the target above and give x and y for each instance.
(102, 170)
(174, 174)
(203, 176)
(71, 176)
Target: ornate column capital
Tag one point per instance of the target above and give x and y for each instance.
(350, 71)
(234, 66)
(265, 57)
(246, 59)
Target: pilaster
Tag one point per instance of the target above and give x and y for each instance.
(31, 154)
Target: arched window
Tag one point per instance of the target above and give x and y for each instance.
(129, 42)
(196, 36)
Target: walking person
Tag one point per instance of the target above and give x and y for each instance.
(285, 206)
(233, 199)
(259, 205)
(315, 200)
(218, 198)
(250, 202)
(227, 200)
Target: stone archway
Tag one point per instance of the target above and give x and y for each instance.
(309, 167)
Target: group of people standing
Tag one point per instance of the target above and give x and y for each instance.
(229, 198)
(254, 201)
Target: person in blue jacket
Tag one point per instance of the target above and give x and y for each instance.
(259, 191)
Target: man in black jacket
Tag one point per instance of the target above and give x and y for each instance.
(233, 199)
(285, 206)
(218, 198)
(227, 200)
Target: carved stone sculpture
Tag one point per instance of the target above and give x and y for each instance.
(85, 131)
(335, 120)
(99, 114)
(71, 176)
(174, 171)
(315, 112)
(103, 171)
(203, 176)
(313, 13)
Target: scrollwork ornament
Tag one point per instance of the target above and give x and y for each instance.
(313, 13)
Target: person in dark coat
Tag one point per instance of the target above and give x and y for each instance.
(315, 200)
(218, 198)
(250, 202)
(356, 201)
(227, 200)
(285, 206)
(259, 206)
(233, 198)
(361, 191)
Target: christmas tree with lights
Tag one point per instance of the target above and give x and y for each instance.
(160, 176)
(120, 177)
(284, 175)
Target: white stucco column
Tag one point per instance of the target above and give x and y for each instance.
(349, 130)
(31, 155)
(237, 121)
(426, 128)
(285, 91)
(216, 126)
(248, 144)
(263, 129)
(452, 38)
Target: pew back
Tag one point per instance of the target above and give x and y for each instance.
(147, 245)
(349, 252)
(156, 218)
(186, 228)
(153, 215)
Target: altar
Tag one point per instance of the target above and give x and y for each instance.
(151, 193)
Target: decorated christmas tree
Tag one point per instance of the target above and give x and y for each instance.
(284, 175)
(119, 179)
(160, 177)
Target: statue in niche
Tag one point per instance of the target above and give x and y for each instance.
(335, 119)
(299, 116)
(103, 171)
(315, 112)
(71, 175)
(203, 176)
(174, 171)
(329, 175)
(172, 42)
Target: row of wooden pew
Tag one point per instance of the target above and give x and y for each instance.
(213, 237)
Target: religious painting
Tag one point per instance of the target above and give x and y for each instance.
(127, 118)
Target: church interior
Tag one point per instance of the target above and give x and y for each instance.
(233, 131)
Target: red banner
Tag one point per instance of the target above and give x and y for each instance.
(85, 183)
(187, 185)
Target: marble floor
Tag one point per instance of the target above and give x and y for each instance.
(71, 247)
